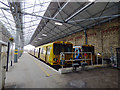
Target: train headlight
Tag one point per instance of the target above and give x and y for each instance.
(55, 59)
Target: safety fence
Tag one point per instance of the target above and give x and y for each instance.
(76, 57)
(87, 57)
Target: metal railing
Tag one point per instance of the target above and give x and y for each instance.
(84, 57)
(103, 56)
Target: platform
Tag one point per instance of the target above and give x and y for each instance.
(30, 72)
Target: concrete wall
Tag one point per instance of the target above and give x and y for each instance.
(103, 37)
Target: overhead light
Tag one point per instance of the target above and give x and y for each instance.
(39, 38)
(35, 41)
(44, 35)
(57, 23)
(91, 0)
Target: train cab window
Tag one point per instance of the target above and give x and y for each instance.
(68, 48)
(42, 51)
(58, 48)
(77, 52)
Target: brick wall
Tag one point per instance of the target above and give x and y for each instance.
(103, 37)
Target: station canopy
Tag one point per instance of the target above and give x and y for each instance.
(45, 21)
(6, 17)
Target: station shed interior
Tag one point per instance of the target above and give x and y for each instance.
(39, 22)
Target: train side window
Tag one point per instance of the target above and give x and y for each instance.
(48, 51)
(38, 50)
(42, 51)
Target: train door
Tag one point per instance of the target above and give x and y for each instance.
(34, 52)
(46, 54)
(3, 60)
(39, 53)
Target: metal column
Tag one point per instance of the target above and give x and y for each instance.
(16, 45)
(16, 11)
(8, 51)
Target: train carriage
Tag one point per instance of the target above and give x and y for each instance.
(50, 53)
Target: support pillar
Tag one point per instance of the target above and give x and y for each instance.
(16, 45)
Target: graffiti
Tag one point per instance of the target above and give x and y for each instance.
(114, 28)
(91, 34)
(70, 39)
(79, 37)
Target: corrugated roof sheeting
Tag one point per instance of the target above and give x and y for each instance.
(78, 22)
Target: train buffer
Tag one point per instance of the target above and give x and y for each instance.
(75, 65)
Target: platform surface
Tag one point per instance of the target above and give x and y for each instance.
(29, 72)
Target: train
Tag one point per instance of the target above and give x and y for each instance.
(85, 52)
(50, 53)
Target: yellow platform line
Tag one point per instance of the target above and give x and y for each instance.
(41, 68)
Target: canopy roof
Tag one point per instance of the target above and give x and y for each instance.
(43, 21)
(73, 17)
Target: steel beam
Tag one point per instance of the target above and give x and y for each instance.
(44, 17)
(4, 4)
(79, 11)
(94, 18)
(61, 9)
(4, 8)
(33, 6)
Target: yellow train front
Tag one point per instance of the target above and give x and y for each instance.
(88, 48)
(85, 52)
(50, 53)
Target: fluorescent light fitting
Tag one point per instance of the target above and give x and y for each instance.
(57, 23)
(91, 0)
(39, 38)
(35, 41)
(44, 35)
